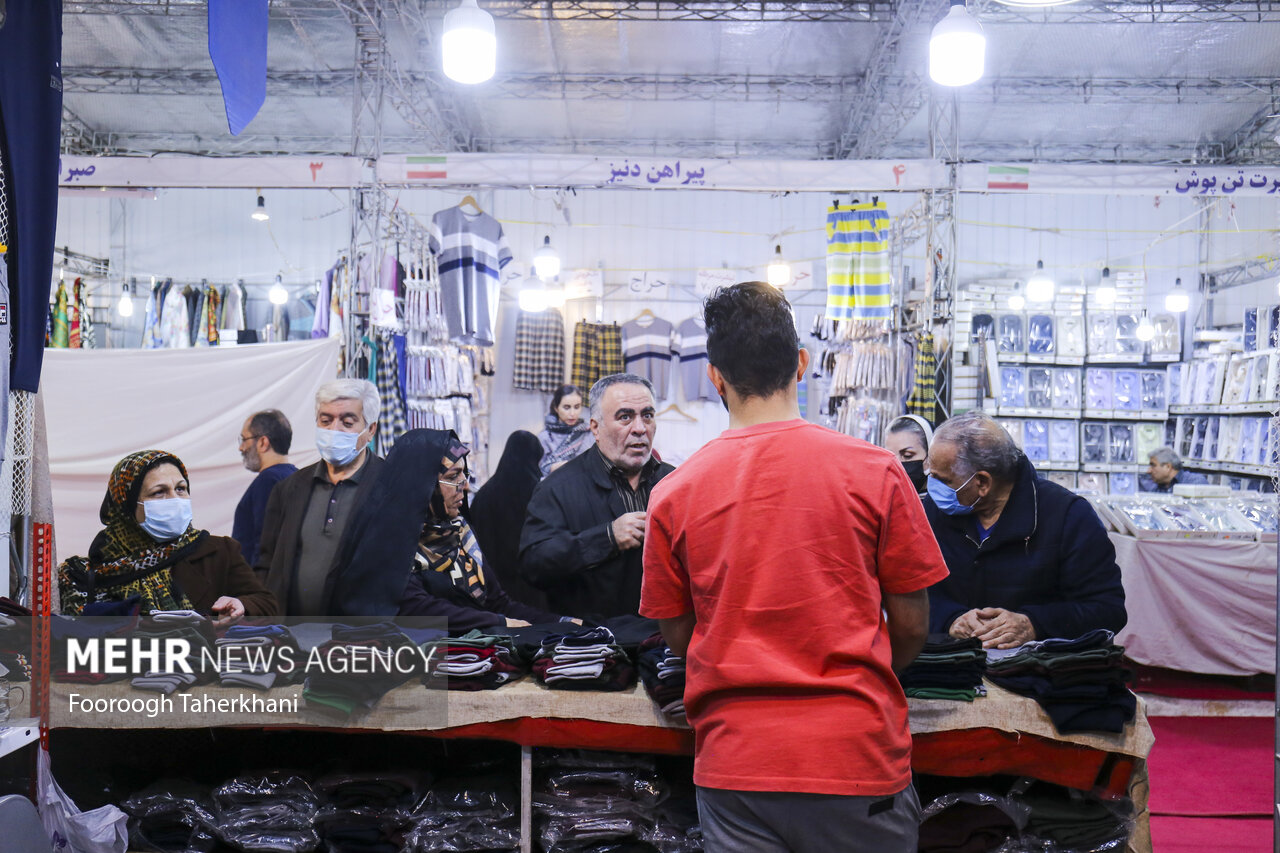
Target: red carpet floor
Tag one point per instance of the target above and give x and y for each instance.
(1191, 685)
(1203, 766)
(1171, 834)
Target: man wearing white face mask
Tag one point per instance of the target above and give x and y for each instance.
(308, 511)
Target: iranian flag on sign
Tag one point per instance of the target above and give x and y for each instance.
(1008, 177)
(425, 168)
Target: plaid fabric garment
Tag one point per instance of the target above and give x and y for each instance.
(392, 422)
(539, 354)
(597, 352)
(922, 402)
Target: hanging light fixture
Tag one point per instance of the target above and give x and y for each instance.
(277, 295)
(957, 48)
(469, 51)
(1145, 330)
(546, 262)
(125, 306)
(1177, 300)
(533, 295)
(1106, 293)
(260, 212)
(778, 273)
(1016, 300)
(1040, 285)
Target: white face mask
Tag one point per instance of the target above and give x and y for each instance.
(337, 447)
(167, 518)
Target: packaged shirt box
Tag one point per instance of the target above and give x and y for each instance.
(1251, 330)
(1123, 483)
(1071, 336)
(1098, 386)
(1102, 333)
(1039, 387)
(1011, 335)
(1063, 442)
(1093, 443)
(1066, 389)
(1126, 391)
(1013, 387)
(1154, 385)
(1127, 342)
(1088, 483)
(1186, 432)
(1120, 441)
(1148, 438)
(1040, 334)
(1230, 434)
(1066, 479)
(1167, 336)
(1236, 385)
(1014, 428)
(1035, 440)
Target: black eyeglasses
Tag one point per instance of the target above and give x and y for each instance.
(243, 438)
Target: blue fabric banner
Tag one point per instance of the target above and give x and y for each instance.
(238, 48)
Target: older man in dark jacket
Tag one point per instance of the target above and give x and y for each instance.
(583, 535)
(1029, 559)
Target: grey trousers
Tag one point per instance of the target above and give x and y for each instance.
(780, 822)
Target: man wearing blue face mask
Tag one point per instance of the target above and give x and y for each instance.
(309, 510)
(1029, 560)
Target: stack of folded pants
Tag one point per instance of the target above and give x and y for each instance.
(588, 801)
(260, 657)
(273, 811)
(1067, 819)
(172, 816)
(365, 812)
(477, 814)
(947, 668)
(1080, 682)
(474, 661)
(99, 620)
(165, 625)
(662, 674)
(589, 659)
(359, 665)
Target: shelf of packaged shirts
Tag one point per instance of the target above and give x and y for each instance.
(1128, 358)
(17, 733)
(1125, 415)
(1244, 468)
(1049, 360)
(1046, 465)
(1024, 412)
(1114, 360)
(1261, 407)
(1112, 468)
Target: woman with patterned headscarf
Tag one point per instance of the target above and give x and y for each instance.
(149, 549)
(409, 552)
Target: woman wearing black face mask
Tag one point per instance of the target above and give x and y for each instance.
(908, 437)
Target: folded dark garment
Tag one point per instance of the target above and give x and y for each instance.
(966, 828)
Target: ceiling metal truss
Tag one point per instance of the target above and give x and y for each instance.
(889, 99)
(1257, 137)
(868, 11)
(1151, 12)
(694, 87)
(1176, 153)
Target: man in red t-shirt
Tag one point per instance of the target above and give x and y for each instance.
(789, 564)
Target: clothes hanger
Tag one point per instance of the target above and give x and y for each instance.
(673, 409)
(645, 313)
(471, 200)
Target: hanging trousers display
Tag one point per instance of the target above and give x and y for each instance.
(539, 351)
(858, 262)
(922, 401)
(597, 352)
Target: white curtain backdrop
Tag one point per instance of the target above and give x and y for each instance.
(101, 405)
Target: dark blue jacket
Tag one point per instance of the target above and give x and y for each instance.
(1047, 557)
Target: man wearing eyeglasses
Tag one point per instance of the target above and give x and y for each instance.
(309, 510)
(263, 443)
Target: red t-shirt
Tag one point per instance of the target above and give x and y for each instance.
(781, 538)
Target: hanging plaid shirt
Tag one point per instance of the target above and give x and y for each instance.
(922, 401)
(391, 421)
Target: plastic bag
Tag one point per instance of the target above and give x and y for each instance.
(102, 830)
(172, 816)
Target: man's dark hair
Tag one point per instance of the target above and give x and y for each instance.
(752, 338)
(275, 426)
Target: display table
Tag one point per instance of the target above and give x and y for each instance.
(1001, 733)
(1199, 605)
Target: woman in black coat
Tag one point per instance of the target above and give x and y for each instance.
(409, 552)
(498, 510)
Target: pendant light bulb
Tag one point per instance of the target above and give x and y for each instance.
(277, 295)
(125, 306)
(1040, 286)
(1106, 293)
(469, 49)
(533, 295)
(957, 48)
(546, 262)
(1145, 331)
(1016, 300)
(778, 272)
(1177, 300)
(260, 212)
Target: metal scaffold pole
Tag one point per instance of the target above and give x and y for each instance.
(940, 267)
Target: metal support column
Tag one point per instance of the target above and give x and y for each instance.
(940, 267)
